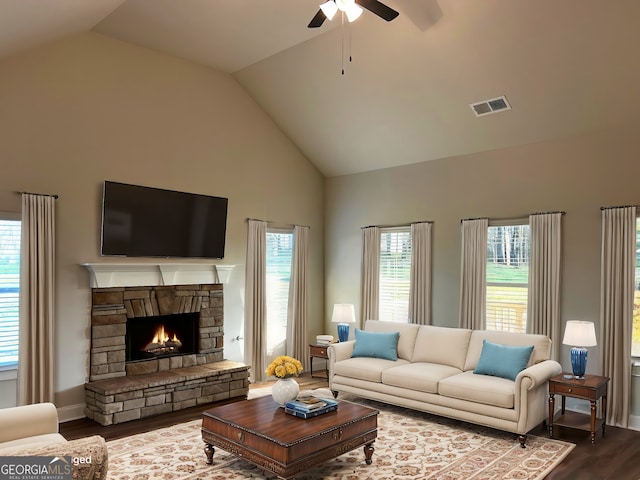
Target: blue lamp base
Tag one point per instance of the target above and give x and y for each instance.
(579, 361)
(343, 332)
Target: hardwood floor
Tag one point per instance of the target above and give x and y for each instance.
(616, 456)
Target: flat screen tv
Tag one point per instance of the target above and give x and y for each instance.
(151, 222)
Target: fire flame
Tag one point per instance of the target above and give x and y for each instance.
(162, 342)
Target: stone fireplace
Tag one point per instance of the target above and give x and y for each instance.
(156, 349)
(117, 311)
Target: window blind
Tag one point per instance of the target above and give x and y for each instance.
(395, 274)
(279, 256)
(508, 253)
(9, 292)
(635, 334)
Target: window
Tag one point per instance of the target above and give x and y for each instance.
(635, 337)
(507, 277)
(9, 291)
(279, 257)
(395, 274)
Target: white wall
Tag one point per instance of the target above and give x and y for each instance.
(89, 108)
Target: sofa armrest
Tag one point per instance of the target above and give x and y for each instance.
(28, 421)
(340, 351)
(538, 374)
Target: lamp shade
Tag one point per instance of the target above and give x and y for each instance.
(579, 334)
(343, 313)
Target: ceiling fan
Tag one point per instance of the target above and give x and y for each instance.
(352, 10)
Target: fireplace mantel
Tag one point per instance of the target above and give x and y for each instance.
(106, 275)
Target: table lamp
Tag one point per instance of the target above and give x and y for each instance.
(579, 335)
(343, 315)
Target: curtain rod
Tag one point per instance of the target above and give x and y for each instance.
(39, 194)
(620, 206)
(275, 224)
(400, 225)
(561, 212)
(469, 219)
(503, 219)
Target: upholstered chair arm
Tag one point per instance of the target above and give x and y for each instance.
(340, 351)
(28, 421)
(537, 374)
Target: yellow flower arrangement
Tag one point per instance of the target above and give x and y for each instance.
(284, 367)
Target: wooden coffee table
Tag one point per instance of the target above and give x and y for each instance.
(259, 431)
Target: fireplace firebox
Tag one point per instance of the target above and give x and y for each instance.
(161, 336)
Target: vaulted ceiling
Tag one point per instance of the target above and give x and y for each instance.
(566, 67)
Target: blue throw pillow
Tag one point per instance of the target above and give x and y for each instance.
(376, 344)
(504, 361)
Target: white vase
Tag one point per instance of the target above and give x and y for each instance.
(285, 390)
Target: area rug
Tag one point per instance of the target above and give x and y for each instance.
(410, 445)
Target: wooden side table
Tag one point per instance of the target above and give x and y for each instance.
(318, 351)
(592, 388)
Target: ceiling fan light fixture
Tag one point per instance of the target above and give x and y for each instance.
(329, 8)
(353, 12)
(350, 8)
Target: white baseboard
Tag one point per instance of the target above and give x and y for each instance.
(634, 422)
(72, 412)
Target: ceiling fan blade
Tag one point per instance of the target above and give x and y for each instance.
(317, 20)
(379, 9)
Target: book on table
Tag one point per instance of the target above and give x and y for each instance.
(310, 407)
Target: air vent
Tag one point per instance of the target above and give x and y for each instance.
(488, 107)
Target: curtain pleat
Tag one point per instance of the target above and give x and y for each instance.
(37, 301)
(420, 287)
(543, 309)
(255, 312)
(616, 308)
(369, 290)
(298, 299)
(473, 274)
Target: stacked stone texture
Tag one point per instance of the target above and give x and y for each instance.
(123, 399)
(118, 391)
(111, 307)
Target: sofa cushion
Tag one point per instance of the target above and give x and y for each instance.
(365, 368)
(443, 345)
(541, 345)
(505, 361)
(423, 377)
(479, 388)
(376, 344)
(408, 332)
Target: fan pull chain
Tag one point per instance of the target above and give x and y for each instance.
(342, 56)
(342, 52)
(350, 59)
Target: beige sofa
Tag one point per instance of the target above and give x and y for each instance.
(32, 430)
(434, 372)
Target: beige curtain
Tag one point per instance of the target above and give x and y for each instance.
(255, 310)
(420, 288)
(370, 274)
(473, 274)
(616, 308)
(543, 309)
(37, 300)
(297, 315)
